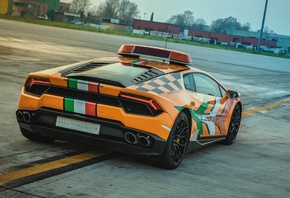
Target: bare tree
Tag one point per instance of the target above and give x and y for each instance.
(199, 24)
(184, 20)
(246, 27)
(109, 9)
(80, 6)
(124, 10)
(127, 11)
(221, 25)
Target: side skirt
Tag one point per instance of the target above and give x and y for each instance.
(196, 142)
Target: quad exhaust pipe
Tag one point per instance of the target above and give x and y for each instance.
(135, 139)
(19, 116)
(143, 140)
(24, 116)
(131, 138)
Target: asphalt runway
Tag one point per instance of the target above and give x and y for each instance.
(257, 165)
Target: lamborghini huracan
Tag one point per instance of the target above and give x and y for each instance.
(145, 101)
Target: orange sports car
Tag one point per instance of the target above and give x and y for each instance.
(146, 101)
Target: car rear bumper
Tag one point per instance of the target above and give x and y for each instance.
(111, 134)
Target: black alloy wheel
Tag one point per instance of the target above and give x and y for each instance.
(177, 144)
(234, 125)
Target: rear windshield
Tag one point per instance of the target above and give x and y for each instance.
(121, 69)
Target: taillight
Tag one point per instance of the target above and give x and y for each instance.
(141, 99)
(36, 85)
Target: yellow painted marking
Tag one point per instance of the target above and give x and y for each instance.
(8, 177)
(271, 106)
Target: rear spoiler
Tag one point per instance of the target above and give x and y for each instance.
(171, 56)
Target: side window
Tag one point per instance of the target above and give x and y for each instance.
(189, 82)
(206, 85)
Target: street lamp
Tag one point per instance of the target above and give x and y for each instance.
(144, 15)
(262, 28)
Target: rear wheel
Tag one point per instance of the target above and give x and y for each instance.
(35, 137)
(234, 125)
(176, 146)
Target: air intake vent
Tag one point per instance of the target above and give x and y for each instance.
(150, 74)
(87, 67)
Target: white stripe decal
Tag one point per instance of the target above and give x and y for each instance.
(209, 118)
(83, 85)
(80, 106)
(166, 127)
(211, 127)
(211, 124)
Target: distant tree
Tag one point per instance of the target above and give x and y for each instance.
(184, 20)
(267, 30)
(152, 17)
(80, 6)
(91, 16)
(221, 25)
(199, 24)
(127, 11)
(231, 23)
(124, 10)
(50, 14)
(217, 26)
(245, 27)
(108, 9)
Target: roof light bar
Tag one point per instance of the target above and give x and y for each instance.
(139, 50)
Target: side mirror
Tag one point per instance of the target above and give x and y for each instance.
(233, 94)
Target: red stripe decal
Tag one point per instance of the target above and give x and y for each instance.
(93, 87)
(90, 109)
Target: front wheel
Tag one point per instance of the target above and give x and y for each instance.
(234, 125)
(177, 144)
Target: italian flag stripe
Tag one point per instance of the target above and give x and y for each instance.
(80, 106)
(69, 104)
(91, 109)
(72, 83)
(83, 85)
(93, 87)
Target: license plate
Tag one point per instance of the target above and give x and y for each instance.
(77, 125)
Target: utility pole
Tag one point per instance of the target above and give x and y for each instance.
(262, 28)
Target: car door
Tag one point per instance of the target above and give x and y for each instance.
(209, 111)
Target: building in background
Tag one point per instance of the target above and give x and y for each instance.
(65, 15)
(275, 43)
(234, 39)
(52, 5)
(29, 8)
(147, 26)
(34, 8)
(6, 6)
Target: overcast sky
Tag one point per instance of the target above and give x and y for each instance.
(277, 18)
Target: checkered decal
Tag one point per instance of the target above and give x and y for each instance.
(167, 83)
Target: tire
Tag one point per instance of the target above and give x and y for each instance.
(35, 137)
(176, 146)
(234, 126)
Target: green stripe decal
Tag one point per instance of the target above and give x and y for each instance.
(200, 111)
(204, 105)
(72, 83)
(69, 104)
